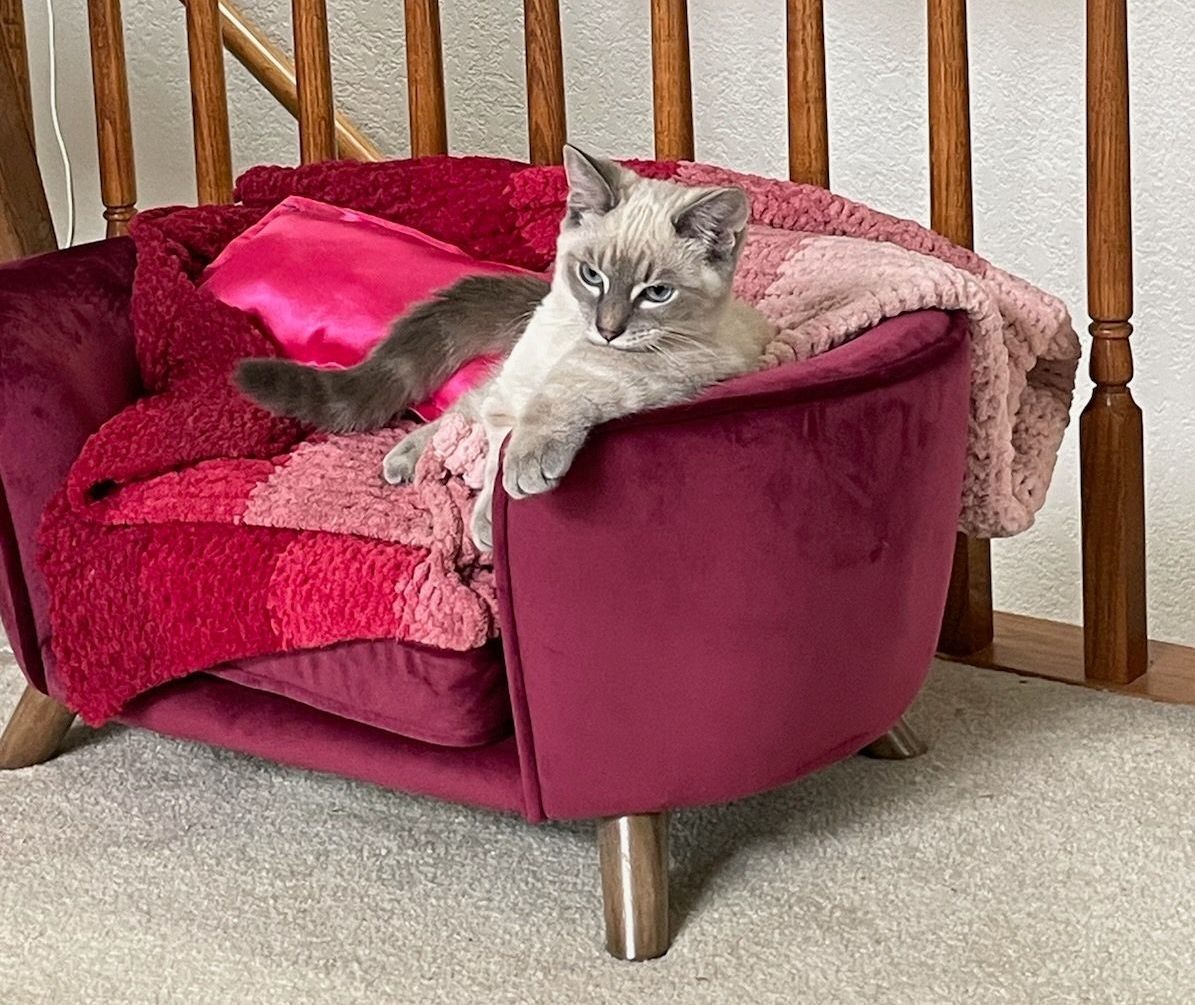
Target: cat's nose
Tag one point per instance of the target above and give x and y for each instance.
(610, 334)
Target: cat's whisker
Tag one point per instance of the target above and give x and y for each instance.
(682, 341)
(661, 351)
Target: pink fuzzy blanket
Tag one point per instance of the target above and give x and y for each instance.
(194, 529)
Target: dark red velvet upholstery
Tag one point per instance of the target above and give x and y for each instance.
(67, 366)
(214, 711)
(439, 696)
(721, 597)
(725, 595)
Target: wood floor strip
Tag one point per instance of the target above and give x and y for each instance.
(1035, 647)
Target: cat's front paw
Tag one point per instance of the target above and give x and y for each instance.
(534, 463)
(398, 466)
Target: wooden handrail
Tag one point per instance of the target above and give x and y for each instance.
(274, 70)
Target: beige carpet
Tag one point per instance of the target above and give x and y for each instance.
(1043, 852)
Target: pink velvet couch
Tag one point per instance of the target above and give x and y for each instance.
(722, 597)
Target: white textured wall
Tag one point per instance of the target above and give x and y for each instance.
(1029, 175)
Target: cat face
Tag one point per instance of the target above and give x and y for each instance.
(649, 263)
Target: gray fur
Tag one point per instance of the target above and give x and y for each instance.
(595, 185)
(476, 316)
(718, 220)
(641, 314)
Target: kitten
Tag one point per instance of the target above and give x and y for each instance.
(640, 314)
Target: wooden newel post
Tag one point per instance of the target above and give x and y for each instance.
(113, 123)
(967, 621)
(1110, 430)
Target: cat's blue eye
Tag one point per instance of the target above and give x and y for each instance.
(658, 294)
(589, 275)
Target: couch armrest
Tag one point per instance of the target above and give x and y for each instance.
(66, 366)
(724, 595)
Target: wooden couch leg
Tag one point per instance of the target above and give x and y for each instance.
(633, 852)
(898, 744)
(34, 731)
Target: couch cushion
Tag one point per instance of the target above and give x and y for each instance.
(452, 699)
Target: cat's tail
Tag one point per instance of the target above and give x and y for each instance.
(341, 401)
(476, 316)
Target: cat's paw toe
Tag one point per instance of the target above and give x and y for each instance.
(525, 480)
(532, 468)
(398, 467)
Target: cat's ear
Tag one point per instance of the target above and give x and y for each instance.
(716, 218)
(593, 183)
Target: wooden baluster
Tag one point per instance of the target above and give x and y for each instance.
(1110, 429)
(113, 123)
(967, 623)
(950, 122)
(808, 120)
(672, 90)
(209, 103)
(425, 79)
(545, 80)
(313, 73)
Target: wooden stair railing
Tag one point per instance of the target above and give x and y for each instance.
(1112, 455)
(275, 71)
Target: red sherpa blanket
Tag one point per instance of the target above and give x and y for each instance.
(195, 529)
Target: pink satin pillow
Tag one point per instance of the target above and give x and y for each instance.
(326, 283)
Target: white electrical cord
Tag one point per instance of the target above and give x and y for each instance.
(66, 159)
